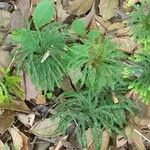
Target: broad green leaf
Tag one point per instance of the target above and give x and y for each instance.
(43, 13)
(79, 27)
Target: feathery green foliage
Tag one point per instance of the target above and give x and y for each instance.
(140, 25)
(138, 72)
(95, 111)
(99, 61)
(47, 55)
(41, 50)
(9, 86)
(139, 75)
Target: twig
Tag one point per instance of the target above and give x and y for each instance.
(142, 135)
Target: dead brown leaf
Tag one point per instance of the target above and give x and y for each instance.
(16, 105)
(77, 7)
(134, 137)
(42, 145)
(66, 84)
(131, 2)
(62, 142)
(31, 92)
(3, 146)
(123, 31)
(6, 120)
(24, 7)
(51, 148)
(115, 26)
(27, 120)
(33, 2)
(107, 8)
(25, 141)
(17, 20)
(89, 138)
(40, 99)
(121, 141)
(1, 111)
(88, 18)
(16, 137)
(147, 111)
(105, 140)
(143, 112)
(101, 24)
(20, 16)
(61, 14)
(4, 58)
(4, 18)
(126, 44)
(45, 128)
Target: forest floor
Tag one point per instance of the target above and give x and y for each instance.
(24, 123)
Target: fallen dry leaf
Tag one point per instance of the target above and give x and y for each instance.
(4, 18)
(51, 148)
(42, 145)
(145, 123)
(138, 121)
(4, 5)
(88, 18)
(40, 99)
(20, 16)
(131, 2)
(27, 120)
(93, 25)
(16, 21)
(105, 140)
(45, 128)
(61, 143)
(121, 141)
(6, 120)
(16, 106)
(31, 92)
(20, 140)
(16, 137)
(134, 137)
(77, 7)
(25, 141)
(125, 44)
(33, 2)
(1, 39)
(107, 8)
(24, 7)
(1, 111)
(101, 24)
(116, 26)
(143, 112)
(4, 146)
(123, 31)
(89, 138)
(147, 111)
(4, 58)
(66, 84)
(61, 14)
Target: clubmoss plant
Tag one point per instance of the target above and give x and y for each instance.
(138, 69)
(42, 47)
(48, 52)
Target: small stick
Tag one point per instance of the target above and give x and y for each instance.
(142, 135)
